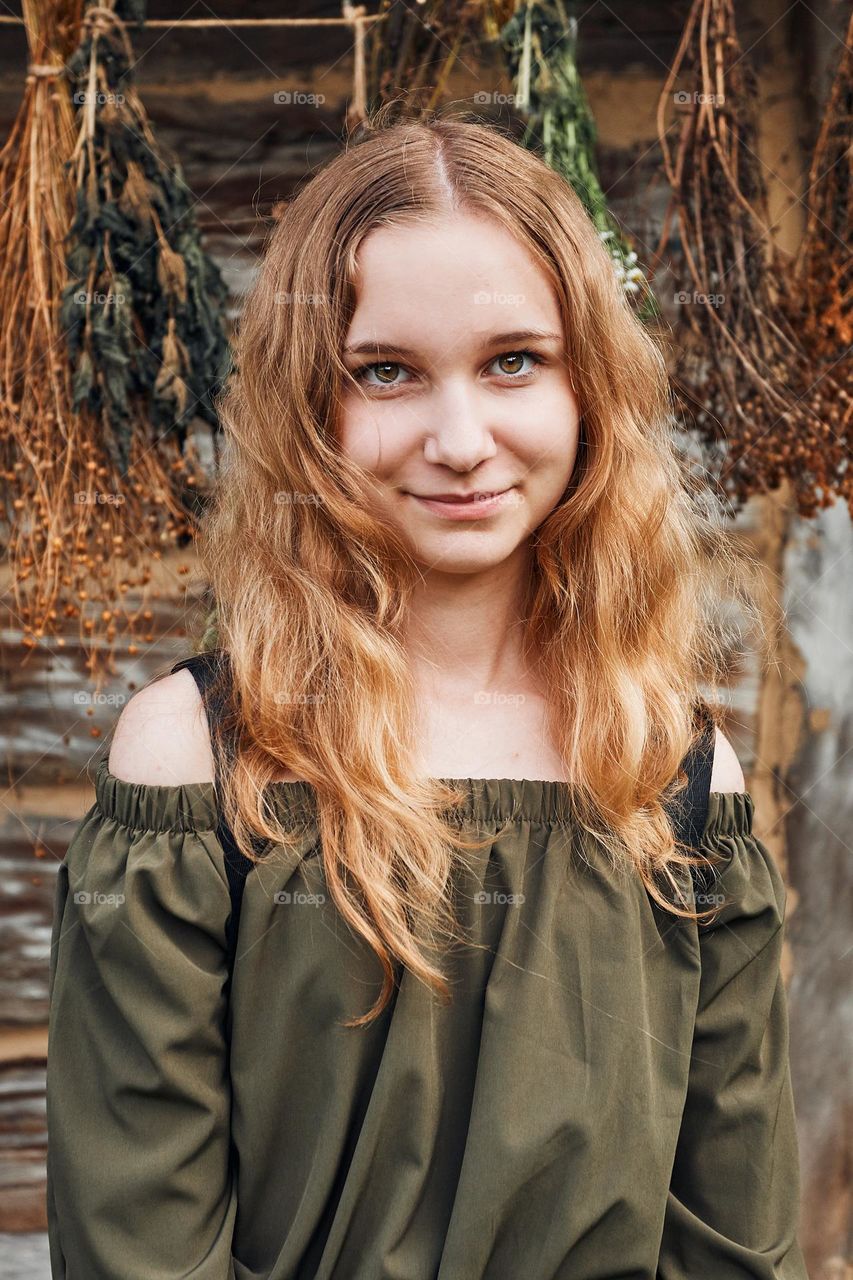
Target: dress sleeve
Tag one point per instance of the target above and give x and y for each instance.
(139, 1174)
(733, 1205)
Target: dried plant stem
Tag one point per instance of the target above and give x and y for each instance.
(79, 530)
(767, 402)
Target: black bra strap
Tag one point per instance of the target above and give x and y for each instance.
(688, 811)
(210, 674)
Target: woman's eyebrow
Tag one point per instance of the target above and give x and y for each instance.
(516, 335)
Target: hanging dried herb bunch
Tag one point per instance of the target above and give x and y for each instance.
(110, 339)
(540, 44)
(820, 307)
(413, 50)
(151, 358)
(742, 371)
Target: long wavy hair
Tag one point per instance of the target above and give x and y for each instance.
(312, 584)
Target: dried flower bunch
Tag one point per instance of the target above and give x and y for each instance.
(137, 257)
(820, 306)
(111, 339)
(418, 45)
(764, 401)
(540, 44)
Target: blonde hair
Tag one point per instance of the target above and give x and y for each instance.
(312, 584)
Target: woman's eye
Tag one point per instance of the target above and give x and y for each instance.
(385, 371)
(513, 358)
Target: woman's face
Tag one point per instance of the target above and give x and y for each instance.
(463, 389)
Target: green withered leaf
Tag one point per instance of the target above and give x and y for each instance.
(82, 381)
(112, 219)
(117, 385)
(71, 312)
(78, 261)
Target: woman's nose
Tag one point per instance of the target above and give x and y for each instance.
(459, 431)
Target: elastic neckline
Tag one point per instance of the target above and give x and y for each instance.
(488, 800)
(500, 800)
(191, 806)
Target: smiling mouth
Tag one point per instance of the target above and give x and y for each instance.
(480, 496)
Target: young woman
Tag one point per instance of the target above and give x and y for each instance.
(377, 955)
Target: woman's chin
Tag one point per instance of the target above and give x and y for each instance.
(438, 555)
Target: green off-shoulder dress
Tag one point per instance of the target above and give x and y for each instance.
(607, 1095)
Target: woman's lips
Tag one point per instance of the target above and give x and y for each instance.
(476, 507)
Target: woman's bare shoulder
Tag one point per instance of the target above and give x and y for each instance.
(727, 774)
(161, 738)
